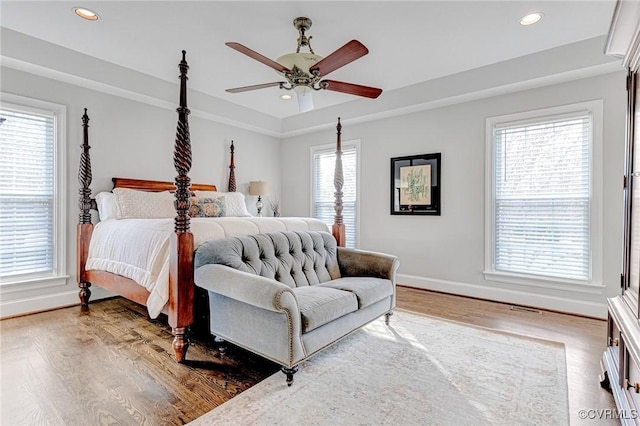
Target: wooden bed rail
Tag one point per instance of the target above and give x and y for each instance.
(156, 185)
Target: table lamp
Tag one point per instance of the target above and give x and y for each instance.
(259, 188)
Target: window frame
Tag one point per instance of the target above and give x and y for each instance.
(595, 109)
(332, 147)
(58, 276)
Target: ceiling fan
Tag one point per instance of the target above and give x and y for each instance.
(305, 72)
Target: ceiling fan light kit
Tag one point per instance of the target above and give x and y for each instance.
(304, 72)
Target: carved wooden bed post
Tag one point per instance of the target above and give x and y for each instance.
(338, 228)
(85, 227)
(232, 173)
(181, 268)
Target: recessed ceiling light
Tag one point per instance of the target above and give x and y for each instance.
(85, 13)
(531, 18)
(286, 97)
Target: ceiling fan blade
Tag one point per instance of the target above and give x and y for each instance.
(352, 89)
(341, 57)
(258, 57)
(255, 87)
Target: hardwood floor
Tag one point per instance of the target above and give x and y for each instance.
(114, 366)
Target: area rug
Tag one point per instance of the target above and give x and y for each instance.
(418, 370)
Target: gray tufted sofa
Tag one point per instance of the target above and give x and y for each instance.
(287, 295)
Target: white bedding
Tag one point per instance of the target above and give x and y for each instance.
(139, 248)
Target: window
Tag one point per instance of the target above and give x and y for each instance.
(32, 220)
(323, 161)
(543, 205)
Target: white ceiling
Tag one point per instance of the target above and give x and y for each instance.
(409, 42)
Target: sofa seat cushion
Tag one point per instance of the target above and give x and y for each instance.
(368, 290)
(321, 305)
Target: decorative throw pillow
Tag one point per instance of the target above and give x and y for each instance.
(107, 205)
(207, 207)
(233, 202)
(134, 204)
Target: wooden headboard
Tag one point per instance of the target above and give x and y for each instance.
(156, 185)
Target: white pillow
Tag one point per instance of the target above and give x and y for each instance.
(144, 204)
(233, 201)
(107, 205)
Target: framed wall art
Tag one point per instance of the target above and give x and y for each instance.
(415, 185)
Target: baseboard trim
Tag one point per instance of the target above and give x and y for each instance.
(47, 302)
(541, 301)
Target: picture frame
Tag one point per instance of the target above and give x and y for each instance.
(415, 185)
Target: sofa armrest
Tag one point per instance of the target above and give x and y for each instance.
(252, 289)
(361, 263)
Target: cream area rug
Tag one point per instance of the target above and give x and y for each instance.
(418, 370)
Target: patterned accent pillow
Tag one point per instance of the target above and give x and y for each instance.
(207, 207)
(233, 201)
(134, 204)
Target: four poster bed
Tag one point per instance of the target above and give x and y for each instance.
(169, 251)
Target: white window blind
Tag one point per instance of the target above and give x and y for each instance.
(27, 193)
(323, 197)
(543, 197)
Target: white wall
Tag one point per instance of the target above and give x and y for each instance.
(446, 253)
(133, 139)
(132, 131)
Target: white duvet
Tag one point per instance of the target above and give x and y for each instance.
(139, 248)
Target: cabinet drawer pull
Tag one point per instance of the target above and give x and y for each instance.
(635, 386)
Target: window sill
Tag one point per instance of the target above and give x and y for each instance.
(33, 284)
(544, 282)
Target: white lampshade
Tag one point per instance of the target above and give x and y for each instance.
(258, 188)
(305, 99)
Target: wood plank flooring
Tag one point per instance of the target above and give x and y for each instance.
(112, 366)
(115, 366)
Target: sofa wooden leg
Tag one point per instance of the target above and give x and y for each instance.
(289, 372)
(387, 317)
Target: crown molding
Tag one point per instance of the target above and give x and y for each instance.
(532, 83)
(109, 89)
(623, 40)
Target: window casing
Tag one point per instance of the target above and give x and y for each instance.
(543, 206)
(323, 160)
(32, 197)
